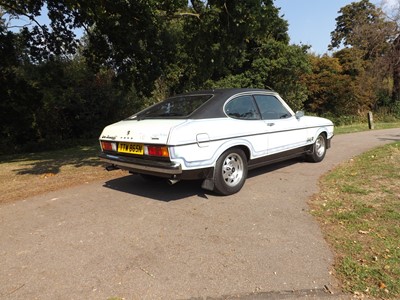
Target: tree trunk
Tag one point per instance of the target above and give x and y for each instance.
(396, 72)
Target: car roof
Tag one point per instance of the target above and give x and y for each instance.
(213, 108)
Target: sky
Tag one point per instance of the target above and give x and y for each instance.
(312, 21)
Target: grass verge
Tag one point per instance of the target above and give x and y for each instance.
(357, 127)
(359, 211)
(31, 174)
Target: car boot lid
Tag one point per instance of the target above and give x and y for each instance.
(143, 131)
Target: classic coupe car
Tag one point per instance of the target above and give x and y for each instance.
(215, 135)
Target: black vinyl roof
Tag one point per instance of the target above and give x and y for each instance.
(213, 108)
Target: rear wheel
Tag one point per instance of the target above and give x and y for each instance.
(231, 172)
(318, 149)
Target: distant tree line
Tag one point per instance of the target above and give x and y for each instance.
(57, 89)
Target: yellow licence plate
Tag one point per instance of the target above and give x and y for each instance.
(130, 148)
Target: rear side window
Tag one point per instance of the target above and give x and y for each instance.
(181, 106)
(271, 108)
(242, 108)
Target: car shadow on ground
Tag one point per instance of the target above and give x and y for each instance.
(275, 166)
(162, 191)
(157, 190)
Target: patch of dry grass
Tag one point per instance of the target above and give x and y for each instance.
(23, 176)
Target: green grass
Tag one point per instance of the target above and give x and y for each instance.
(364, 127)
(359, 209)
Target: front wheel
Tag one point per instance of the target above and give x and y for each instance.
(318, 149)
(230, 172)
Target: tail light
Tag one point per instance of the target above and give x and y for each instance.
(160, 151)
(108, 146)
(150, 150)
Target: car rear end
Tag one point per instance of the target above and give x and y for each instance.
(140, 146)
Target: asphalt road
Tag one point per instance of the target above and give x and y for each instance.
(134, 240)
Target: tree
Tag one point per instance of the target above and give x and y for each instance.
(241, 44)
(278, 66)
(394, 16)
(17, 95)
(225, 39)
(367, 29)
(122, 35)
(359, 20)
(137, 52)
(45, 41)
(329, 90)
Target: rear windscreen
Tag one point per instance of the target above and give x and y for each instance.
(179, 106)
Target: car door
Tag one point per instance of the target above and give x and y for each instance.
(285, 131)
(246, 124)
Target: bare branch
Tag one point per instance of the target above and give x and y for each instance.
(16, 11)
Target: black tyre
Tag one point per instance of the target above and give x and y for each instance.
(230, 172)
(318, 149)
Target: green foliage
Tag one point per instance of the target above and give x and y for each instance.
(278, 66)
(224, 42)
(329, 90)
(346, 84)
(46, 41)
(243, 44)
(135, 53)
(57, 101)
(17, 96)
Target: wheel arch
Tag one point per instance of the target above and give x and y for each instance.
(323, 131)
(245, 149)
(244, 146)
(316, 151)
(328, 139)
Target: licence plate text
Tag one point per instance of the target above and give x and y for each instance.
(130, 148)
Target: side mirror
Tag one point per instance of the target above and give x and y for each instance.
(299, 114)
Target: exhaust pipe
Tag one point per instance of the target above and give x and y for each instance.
(111, 168)
(172, 181)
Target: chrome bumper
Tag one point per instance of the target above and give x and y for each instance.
(142, 166)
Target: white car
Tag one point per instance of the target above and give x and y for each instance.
(216, 135)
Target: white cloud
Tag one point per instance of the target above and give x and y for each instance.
(391, 4)
(391, 8)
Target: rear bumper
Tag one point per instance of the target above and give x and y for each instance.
(159, 168)
(169, 170)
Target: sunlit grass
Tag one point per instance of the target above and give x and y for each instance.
(364, 127)
(29, 174)
(359, 209)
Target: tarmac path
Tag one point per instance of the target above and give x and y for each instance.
(130, 239)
